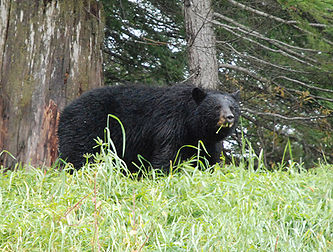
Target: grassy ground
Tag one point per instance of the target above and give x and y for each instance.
(233, 208)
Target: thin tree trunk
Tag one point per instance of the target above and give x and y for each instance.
(201, 43)
(50, 52)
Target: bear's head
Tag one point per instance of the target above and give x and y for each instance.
(216, 114)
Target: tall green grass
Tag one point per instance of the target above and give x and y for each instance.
(225, 208)
(103, 207)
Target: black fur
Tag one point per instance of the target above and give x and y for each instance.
(157, 121)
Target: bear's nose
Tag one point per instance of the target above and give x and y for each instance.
(230, 118)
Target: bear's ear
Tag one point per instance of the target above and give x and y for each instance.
(198, 94)
(236, 95)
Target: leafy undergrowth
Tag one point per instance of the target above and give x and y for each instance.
(231, 209)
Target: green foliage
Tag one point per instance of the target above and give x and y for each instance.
(230, 207)
(143, 43)
(289, 58)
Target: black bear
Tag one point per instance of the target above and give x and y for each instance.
(158, 121)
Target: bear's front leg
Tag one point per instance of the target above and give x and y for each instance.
(214, 150)
(162, 158)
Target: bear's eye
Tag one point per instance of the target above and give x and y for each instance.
(232, 107)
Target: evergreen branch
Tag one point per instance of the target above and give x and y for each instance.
(303, 84)
(231, 28)
(285, 68)
(285, 117)
(264, 14)
(244, 70)
(259, 35)
(267, 81)
(290, 22)
(310, 95)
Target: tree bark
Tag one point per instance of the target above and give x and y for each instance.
(201, 43)
(50, 52)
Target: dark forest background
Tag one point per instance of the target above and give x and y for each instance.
(278, 53)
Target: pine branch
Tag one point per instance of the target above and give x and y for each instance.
(244, 70)
(231, 28)
(261, 13)
(259, 35)
(285, 68)
(267, 81)
(290, 22)
(303, 84)
(285, 117)
(310, 95)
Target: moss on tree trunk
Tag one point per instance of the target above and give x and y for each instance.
(50, 52)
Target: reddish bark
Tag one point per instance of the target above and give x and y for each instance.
(50, 52)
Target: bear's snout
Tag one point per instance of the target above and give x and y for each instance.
(226, 118)
(230, 118)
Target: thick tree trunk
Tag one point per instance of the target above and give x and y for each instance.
(50, 52)
(201, 43)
